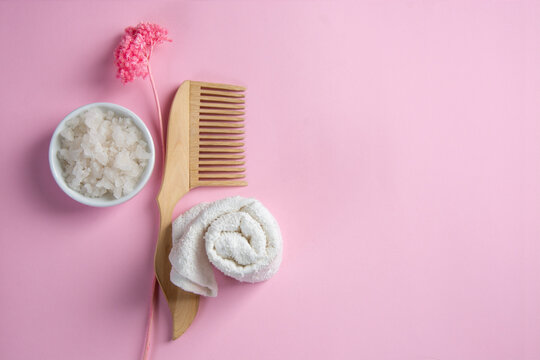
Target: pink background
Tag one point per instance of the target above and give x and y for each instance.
(397, 143)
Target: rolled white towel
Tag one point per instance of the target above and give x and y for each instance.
(238, 236)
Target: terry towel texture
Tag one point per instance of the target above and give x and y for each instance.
(238, 236)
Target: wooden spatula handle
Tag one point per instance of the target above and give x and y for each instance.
(175, 184)
(183, 305)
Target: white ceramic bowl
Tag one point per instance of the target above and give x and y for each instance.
(56, 167)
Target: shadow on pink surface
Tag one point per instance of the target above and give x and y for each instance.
(42, 185)
(102, 74)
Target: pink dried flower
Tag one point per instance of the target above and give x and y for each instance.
(132, 56)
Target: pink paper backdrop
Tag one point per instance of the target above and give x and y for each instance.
(397, 143)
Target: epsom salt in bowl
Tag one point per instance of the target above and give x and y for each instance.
(101, 154)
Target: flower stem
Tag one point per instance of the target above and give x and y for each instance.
(149, 328)
(156, 98)
(150, 323)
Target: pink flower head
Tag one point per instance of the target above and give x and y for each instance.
(132, 55)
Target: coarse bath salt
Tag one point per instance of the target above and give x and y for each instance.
(102, 154)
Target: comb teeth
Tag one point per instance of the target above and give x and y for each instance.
(220, 137)
(217, 121)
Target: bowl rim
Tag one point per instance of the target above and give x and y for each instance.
(99, 202)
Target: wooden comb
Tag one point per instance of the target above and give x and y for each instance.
(204, 148)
